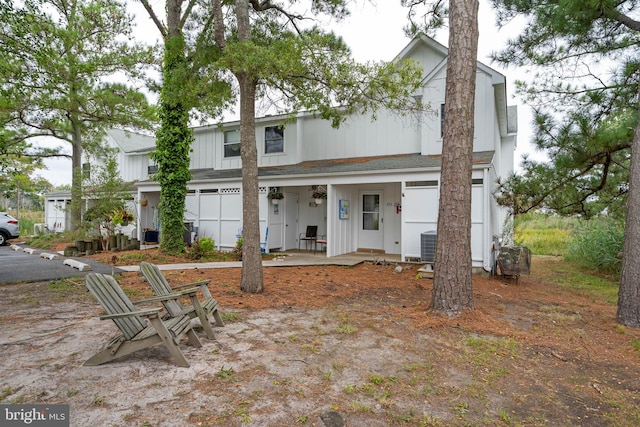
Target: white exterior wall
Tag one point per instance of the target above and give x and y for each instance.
(433, 95)
(486, 135)
(420, 214)
(135, 167)
(216, 207)
(359, 136)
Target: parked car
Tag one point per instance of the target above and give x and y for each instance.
(8, 228)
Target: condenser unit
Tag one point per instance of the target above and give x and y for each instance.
(428, 246)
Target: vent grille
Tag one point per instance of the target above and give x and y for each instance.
(428, 246)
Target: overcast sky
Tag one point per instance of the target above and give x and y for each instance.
(375, 33)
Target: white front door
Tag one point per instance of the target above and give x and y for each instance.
(290, 221)
(276, 225)
(370, 235)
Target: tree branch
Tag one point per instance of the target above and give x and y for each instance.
(154, 18)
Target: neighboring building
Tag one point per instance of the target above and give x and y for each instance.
(382, 177)
(132, 155)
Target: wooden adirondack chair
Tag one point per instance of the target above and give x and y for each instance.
(203, 310)
(135, 333)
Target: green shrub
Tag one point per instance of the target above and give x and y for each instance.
(597, 245)
(201, 248)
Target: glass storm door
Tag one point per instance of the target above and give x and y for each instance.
(371, 221)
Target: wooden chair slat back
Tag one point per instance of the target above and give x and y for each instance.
(160, 286)
(113, 300)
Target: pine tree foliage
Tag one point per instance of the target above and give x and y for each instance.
(586, 101)
(59, 69)
(585, 104)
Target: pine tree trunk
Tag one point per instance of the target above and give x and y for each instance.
(251, 278)
(76, 177)
(629, 293)
(452, 286)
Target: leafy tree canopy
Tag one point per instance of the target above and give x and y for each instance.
(299, 67)
(61, 70)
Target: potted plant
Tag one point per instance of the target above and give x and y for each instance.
(319, 194)
(121, 217)
(275, 195)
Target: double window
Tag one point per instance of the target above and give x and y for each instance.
(273, 141)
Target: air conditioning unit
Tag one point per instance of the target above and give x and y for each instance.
(428, 246)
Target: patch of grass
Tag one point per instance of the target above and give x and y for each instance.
(351, 388)
(483, 351)
(132, 257)
(225, 374)
(338, 366)
(242, 412)
(356, 406)
(572, 276)
(65, 288)
(543, 242)
(230, 316)
(588, 283)
(559, 314)
(636, 344)
(310, 347)
(461, 408)
(6, 391)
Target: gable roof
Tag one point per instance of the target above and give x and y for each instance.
(131, 142)
(507, 116)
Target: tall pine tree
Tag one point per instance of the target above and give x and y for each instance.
(60, 67)
(587, 103)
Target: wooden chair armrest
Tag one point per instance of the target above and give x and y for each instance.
(173, 295)
(146, 313)
(192, 285)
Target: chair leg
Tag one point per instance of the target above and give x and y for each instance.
(202, 316)
(168, 341)
(217, 317)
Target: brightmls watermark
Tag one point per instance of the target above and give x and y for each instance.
(34, 415)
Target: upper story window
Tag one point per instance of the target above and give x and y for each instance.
(441, 120)
(86, 170)
(273, 139)
(232, 143)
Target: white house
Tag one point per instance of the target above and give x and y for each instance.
(382, 177)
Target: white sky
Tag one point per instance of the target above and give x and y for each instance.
(375, 33)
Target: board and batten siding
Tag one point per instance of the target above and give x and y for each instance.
(359, 136)
(420, 214)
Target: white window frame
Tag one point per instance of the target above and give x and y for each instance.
(231, 147)
(270, 139)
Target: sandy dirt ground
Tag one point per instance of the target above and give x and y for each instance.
(359, 342)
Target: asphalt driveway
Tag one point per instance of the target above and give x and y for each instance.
(20, 266)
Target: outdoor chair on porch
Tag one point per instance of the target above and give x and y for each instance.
(308, 237)
(321, 244)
